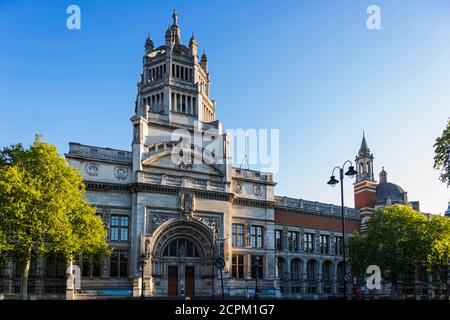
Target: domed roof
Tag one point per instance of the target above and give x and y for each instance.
(391, 191)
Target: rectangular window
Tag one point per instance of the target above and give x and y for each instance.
(324, 244)
(256, 237)
(238, 235)
(308, 242)
(194, 103)
(91, 266)
(237, 267)
(293, 241)
(257, 266)
(119, 264)
(338, 246)
(119, 228)
(278, 240)
(183, 103)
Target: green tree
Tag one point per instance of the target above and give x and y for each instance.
(438, 255)
(442, 155)
(43, 209)
(394, 241)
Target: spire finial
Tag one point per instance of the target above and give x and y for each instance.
(175, 17)
(364, 148)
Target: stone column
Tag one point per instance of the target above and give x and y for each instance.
(334, 287)
(319, 277)
(288, 276)
(248, 267)
(304, 277)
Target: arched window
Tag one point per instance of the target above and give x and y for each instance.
(180, 247)
(312, 270)
(296, 270)
(326, 271)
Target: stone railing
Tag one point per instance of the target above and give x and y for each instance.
(99, 153)
(252, 174)
(179, 181)
(314, 206)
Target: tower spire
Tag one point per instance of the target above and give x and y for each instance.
(364, 162)
(364, 148)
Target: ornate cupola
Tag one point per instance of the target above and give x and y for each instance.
(175, 83)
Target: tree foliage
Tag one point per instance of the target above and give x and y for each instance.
(400, 239)
(442, 155)
(42, 207)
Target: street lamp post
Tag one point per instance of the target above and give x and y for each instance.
(257, 275)
(213, 245)
(145, 255)
(332, 182)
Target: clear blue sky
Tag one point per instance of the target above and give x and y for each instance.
(309, 68)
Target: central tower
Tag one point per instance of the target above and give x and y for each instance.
(175, 84)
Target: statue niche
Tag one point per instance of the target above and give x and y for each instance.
(187, 204)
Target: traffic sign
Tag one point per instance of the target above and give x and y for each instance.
(219, 263)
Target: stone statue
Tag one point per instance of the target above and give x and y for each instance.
(187, 203)
(247, 234)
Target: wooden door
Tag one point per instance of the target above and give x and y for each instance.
(172, 284)
(189, 280)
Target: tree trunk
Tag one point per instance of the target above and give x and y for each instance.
(24, 278)
(394, 287)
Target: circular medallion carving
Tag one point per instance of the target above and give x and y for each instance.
(121, 173)
(92, 168)
(258, 190)
(237, 187)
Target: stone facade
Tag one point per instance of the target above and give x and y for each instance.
(171, 205)
(176, 215)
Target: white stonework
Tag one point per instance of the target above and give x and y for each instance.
(149, 188)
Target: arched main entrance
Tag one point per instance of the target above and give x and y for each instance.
(181, 259)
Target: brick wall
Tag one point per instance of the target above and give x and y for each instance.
(315, 221)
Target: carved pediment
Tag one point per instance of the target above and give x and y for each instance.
(193, 162)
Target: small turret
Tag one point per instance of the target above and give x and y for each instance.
(193, 46)
(383, 176)
(148, 45)
(447, 213)
(204, 62)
